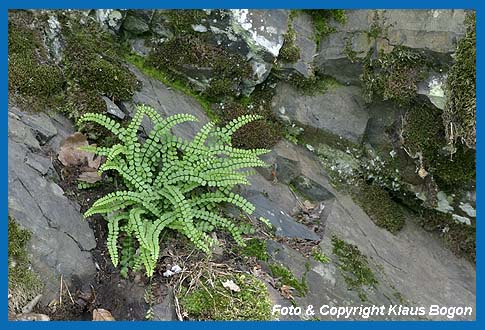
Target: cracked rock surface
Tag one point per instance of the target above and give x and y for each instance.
(61, 238)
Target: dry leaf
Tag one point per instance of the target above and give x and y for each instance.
(422, 173)
(102, 315)
(229, 284)
(89, 177)
(286, 291)
(31, 317)
(70, 155)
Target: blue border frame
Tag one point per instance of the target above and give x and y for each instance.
(370, 4)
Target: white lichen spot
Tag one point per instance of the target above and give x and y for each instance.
(444, 203)
(461, 219)
(199, 28)
(468, 209)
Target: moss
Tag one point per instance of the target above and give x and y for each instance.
(318, 255)
(289, 52)
(321, 19)
(312, 85)
(460, 111)
(23, 283)
(256, 248)
(423, 133)
(218, 303)
(354, 264)
(94, 62)
(186, 53)
(377, 203)
(32, 76)
(262, 133)
(286, 277)
(394, 75)
(460, 238)
(172, 82)
(181, 21)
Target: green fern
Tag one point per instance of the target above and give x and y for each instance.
(171, 183)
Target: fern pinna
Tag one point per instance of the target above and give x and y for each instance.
(171, 183)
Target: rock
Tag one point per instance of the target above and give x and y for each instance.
(109, 18)
(61, 238)
(311, 189)
(113, 109)
(262, 29)
(305, 41)
(40, 124)
(153, 93)
(434, 89)
(435, 31)
(135, 25)
(339, 110)
(165, 311)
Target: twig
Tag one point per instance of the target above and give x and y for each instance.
(69, 292)
(60, 293)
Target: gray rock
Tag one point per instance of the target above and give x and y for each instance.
(113, 109)
(311, 189)
(135, 25)
(61, 238)
(339, 110)
(165, 311)
(435, 31)
(40, 124)
(305, 41)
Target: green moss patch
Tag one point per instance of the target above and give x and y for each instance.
(289, 52)
(394, 75)
(286, 277)
(460, 110)
(377, 203)
(460, 238)
(256, 248)
(355, 267)
(31, 74)
(188, 53)
(321, 19)
(23, 283)
(219, 303)
(423, 133)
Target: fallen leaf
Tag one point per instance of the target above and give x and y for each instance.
(286, 291)
(31, 317)
(100, 314)
(422, 173)
(229, 284)
(71, 155)
(89, 177)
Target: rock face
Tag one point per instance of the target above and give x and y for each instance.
(61, 238)
(339, 111)
(435, 31)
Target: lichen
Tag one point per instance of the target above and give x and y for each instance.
(355, 267)
(460, 111)
(181, 21)
(379, 206)
(23, 283)
(286, 277)
(214, 302)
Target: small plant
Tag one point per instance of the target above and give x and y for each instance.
(170, 183)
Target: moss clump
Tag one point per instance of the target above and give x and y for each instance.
(318, 255)
(460, 111)
(289, 52)
(23, 283)
(321, 19)
(423, 133)
(218, 303)
(32, 76)
(286, 277)
(181, 21)
(394, 75)
(94, 62)
(377, 203)
(186, 53)
(355, 265)
(263, 133)
(459, 237)
(256, 248)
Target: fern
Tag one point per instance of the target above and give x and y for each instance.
(171, 183)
